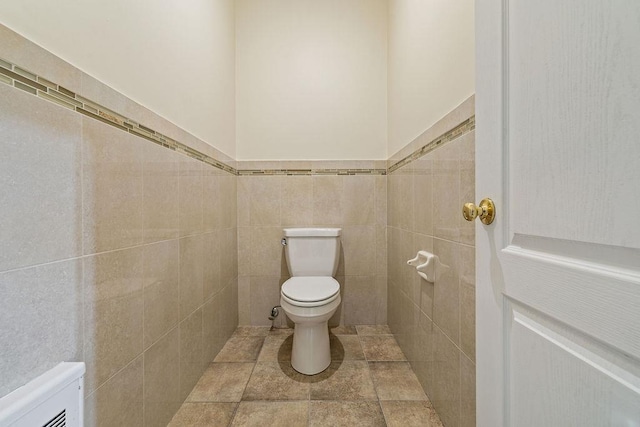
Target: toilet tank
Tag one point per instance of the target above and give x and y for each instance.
(312, 251)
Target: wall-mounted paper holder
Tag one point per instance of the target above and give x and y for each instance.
(428, 266)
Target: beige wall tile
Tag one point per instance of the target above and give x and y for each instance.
(468, 301)
(446, 184)
(191, 274)
(119, 401)
(404, 199)
(32, 316)
(381, 251)
(160, 193)
(191, 360)
(162, 380)
(381, 199)
(446, 311)
(360, 300)
(359, 245)
(161, 278)
(190, 196)
(264, 205)
(296, 201)
(381, 289)
(423, 364)
(446, 387)
(211, 198)
(213, 337)
(228, 200)
(467, 393)
(467, 185)
(41, 148)
(113, 292)
(111, 188)
(442, 181)
(423, 195)
(211, 260)
(244, 251)
(244, 201)
(228, 311)
(265, 293)
(228, 255)
(244, 300)
(327, 200)
(92, 185)
(267, 253)
(358, 200)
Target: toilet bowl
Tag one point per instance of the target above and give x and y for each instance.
(312, 295)
(310, 302)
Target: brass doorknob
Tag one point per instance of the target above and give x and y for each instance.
(486, 211)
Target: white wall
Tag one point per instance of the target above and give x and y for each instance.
(431, 64)
(311, 79)
(176, 59)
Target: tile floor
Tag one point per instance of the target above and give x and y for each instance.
(251, 383)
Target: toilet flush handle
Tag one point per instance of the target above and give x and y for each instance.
(283, 241)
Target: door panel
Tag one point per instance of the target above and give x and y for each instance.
(558, 149)
(587, 384)
(573, 119)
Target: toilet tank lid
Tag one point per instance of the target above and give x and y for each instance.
(312, 232)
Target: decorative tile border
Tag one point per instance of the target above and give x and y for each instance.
(20, 78)
(29, 82)
(307, 172)
(462, 129)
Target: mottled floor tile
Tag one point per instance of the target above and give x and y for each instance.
(240, 349)
(222, 382)
(276, 381)
(396, 381)
(343, 330)
(348, 380)
(345, 347)
(204, 415)
(275, 348)
(373, 330)
(281, 331)
(272, 414)
(330, 414)
(381, 348)
(251, 331)
(410, 414)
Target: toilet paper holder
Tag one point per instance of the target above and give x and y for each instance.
(428, 266)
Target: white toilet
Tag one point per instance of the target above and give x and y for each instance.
(311, 295)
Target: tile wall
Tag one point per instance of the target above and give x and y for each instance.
(137, 248)
(118, 244)
(346, 194)
(434, 323)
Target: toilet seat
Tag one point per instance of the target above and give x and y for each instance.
(310, 291)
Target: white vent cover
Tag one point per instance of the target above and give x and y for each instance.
(54, 399)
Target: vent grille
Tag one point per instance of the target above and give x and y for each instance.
(58, 421)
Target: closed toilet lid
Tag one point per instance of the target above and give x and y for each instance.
(310, 288)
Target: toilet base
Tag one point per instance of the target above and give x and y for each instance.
(311, 353)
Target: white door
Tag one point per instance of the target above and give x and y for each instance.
(558, 272)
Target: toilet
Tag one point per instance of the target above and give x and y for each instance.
(311, 296)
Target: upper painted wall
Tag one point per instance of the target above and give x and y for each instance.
(176, 59)
(431, 64)
(311, 79)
